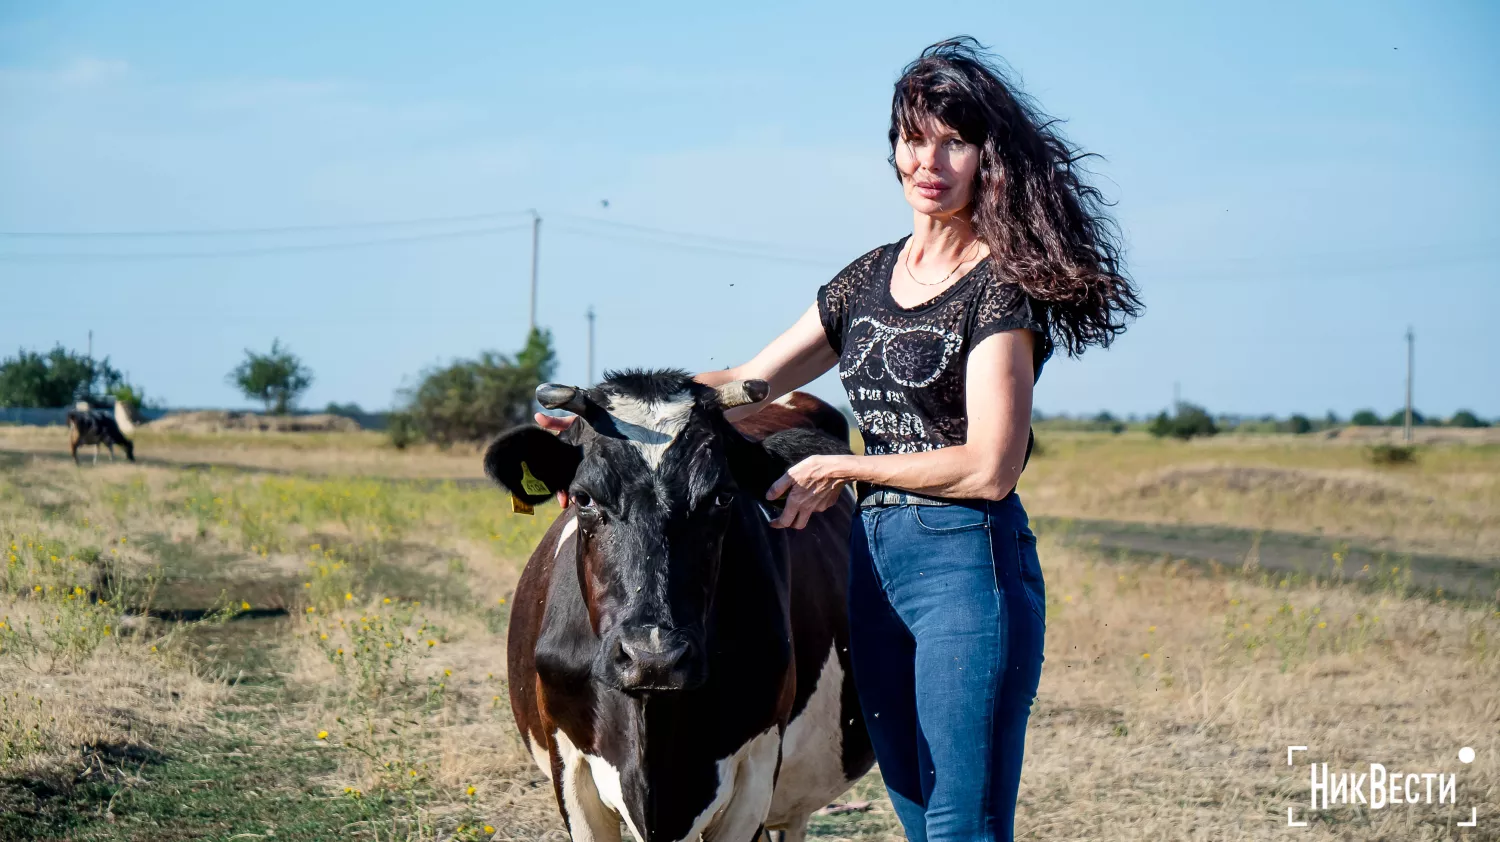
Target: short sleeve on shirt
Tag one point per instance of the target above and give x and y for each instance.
(1000, 307)
(836, 298)
(1005, 306)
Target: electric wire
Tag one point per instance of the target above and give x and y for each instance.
(278, 229)
(126, 256)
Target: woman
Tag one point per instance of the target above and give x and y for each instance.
(939, 338)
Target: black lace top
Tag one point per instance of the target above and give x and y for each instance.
(904, 367)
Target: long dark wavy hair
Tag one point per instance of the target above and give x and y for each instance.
(1046, 226)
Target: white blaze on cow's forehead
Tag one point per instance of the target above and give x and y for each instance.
(651, 426)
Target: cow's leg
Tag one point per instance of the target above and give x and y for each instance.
(752, 781)
(111, 446)
(589, 818)
(795, 830)
(96, 453)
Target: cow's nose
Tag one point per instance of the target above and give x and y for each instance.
(653, 659)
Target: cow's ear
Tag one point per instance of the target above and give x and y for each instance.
(532, 463)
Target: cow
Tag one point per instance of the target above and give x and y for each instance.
(676, 662)
(96, 427)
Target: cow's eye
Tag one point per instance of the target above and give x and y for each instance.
(723, 498)
(584, 501)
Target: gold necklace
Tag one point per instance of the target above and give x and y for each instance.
(906, 264)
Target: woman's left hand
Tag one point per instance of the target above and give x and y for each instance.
(810, 486)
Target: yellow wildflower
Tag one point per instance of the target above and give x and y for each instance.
(322, 735)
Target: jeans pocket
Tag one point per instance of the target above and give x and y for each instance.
(945, 520)
(1031, 573)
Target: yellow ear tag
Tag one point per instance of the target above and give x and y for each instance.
(530, 484)
(521, 507)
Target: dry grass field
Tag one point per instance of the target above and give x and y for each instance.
(306, 641)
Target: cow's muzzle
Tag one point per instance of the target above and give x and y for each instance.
(653, 659)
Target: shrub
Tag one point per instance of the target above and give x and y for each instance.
(1391, 454)
(472, 400)
(1298, 424)
(132, 397)
(1365, 418)
(1189, 421)
(402, 429)
(1109, 422)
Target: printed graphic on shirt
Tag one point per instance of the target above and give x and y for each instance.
(910, 356)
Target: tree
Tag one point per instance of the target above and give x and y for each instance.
(1189, 421)
(1299, 424)
(57, 379)
(1465, 418)
(1398, 419)
(1365, 418)
(472, 400)
(275, 379)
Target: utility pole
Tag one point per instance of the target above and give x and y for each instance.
(536, 241)
(1411, 353)
(591, 344)
(91, 345)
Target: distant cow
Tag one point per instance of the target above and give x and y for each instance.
(675, 662)
(96, 427)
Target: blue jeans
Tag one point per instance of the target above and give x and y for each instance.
(947, 614)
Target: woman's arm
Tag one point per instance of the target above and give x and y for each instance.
(791, 361)
(997, 384)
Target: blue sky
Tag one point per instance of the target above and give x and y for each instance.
(1297, 183)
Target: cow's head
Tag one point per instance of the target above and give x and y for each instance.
(655, 476)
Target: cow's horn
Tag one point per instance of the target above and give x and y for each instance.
(558, 396)
(740, 392)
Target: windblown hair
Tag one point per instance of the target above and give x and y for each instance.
(1046, 227)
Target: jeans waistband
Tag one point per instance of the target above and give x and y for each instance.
(870, 496)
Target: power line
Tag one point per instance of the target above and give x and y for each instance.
(89, 257)
(705, 248)
(696, 239)
(280, 229)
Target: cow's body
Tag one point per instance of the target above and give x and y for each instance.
(772, 732)
(96, 427)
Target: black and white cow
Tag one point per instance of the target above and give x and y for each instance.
(96, 427)
(675, 662)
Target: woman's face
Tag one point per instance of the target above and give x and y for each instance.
(937, 169)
